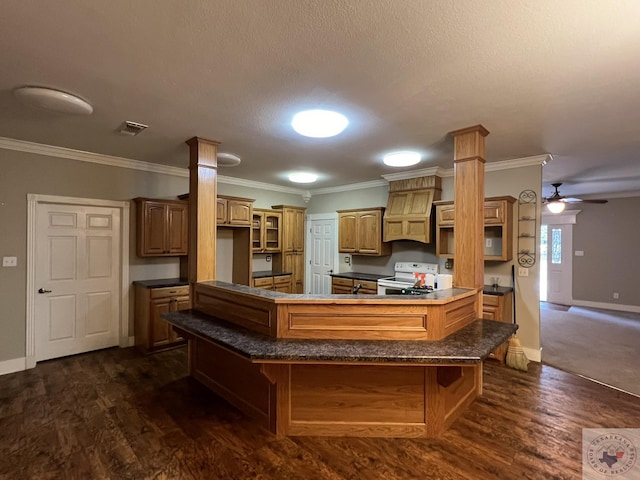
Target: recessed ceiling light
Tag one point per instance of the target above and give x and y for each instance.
(303, 177)
(401, 159)
(227, 159)
(319, 123)
(53, 100)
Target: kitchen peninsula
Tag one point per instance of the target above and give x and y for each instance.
(340, 365)
(357, 365)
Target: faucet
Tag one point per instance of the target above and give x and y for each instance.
(356, 288)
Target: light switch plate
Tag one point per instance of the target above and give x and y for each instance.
(9, 261)
(523, 272)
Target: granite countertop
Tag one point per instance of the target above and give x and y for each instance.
(162, 282)
(268, 273)
(471, 344)
(490, 290)
(436, 297)
(372, 277)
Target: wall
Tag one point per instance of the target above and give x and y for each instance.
(24, 173)
(608, 235)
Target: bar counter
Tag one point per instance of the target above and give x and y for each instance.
(340, 365)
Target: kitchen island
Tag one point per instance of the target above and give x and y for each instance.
(339, 365)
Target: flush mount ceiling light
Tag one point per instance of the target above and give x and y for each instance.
(401, 159)
(303, 177)
(55, 100)
(319, 123)
(556, 207)
(227, 159)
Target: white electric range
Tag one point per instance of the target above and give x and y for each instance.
(407, 273)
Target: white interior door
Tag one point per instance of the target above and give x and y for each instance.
(77, 276)
(322, 242)
(559, 263)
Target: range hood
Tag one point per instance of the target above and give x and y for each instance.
(408, 212)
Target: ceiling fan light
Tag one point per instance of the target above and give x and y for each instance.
(319, 123)
(402, 159)
(556, 207)
(51, 99)
(303, 177)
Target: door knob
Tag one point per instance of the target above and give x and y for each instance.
(42, 290)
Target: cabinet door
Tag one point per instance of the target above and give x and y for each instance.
(294, 263)
(272, 233)
(178, 303)
(178, 229)
(221, 210)
(159, 328)
(368, 235)
(154, 225)
(347, 224)
(239, 212)
(282, 283)
(257, 229)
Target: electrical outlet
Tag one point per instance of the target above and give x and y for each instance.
(616, 295)
(268, 258)
(523, 272)
(9, 261)
(487, 242)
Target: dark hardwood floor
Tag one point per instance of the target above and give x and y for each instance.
(119, 415)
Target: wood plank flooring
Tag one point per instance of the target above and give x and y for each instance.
(116, 414)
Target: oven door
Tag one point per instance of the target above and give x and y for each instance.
(391, 286)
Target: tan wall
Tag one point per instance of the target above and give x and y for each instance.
(608, 235)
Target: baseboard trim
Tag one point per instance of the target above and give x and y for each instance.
(533, 354)
(13, 365)
(607, 306)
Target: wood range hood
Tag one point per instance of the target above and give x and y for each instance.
(408, 212)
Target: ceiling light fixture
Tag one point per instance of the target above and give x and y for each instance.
(52, 99)
(303, 177)
(227, 159)
(402, 159)
(319, 123)
(556, 207)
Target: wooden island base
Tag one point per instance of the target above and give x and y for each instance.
(333, 399)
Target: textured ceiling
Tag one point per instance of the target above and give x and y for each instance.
(542, 76)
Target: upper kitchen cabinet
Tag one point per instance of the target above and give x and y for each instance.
(408, 213)
(162, 227)
(360, 232)
(234, 211)
(266, 234)
(498, 229)
(292, 257)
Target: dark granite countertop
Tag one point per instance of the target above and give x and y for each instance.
(489, 290)
(471, 344)
(162, 282)
(268, 273)
(372, 277)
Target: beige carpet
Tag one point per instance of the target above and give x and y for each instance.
(602, 345)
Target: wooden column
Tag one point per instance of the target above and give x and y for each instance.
(203, 174)
(468, 168)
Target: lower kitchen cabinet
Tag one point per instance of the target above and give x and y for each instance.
(345, 286)
(278, 283)
(152, 333)
(500, 308)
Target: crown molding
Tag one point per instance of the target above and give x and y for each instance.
(423, 172)
(71, 154)
(82, 156)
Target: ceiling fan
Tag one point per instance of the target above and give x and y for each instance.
(556, 202)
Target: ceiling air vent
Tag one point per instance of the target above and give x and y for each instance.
(132, 128)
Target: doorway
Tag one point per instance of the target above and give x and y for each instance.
(322, 243)
(77, 280)
(556, 258)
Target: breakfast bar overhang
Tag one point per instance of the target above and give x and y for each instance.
(354, 367)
